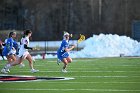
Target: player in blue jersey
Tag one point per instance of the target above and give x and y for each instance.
(16, 46)
(9, 50)
(23, 54)
(62, 53)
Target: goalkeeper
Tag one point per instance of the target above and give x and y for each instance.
(62, 53)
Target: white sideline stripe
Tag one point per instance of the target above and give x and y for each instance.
(85, 60)
(41, 65)
(92, 64)
(133, 66)
(52, 61)
(39, 89)
(84, 71)
(95, 82)
(104, 76)
(93, 76)
(74, 60)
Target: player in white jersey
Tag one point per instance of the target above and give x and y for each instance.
(23, 53)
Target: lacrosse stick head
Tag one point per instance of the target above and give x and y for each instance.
(82, 38)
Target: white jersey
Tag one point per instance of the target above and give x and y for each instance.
(24, 41)
(22, 51)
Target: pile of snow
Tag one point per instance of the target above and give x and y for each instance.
(108, 46)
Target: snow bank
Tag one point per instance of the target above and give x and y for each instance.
(108, 46)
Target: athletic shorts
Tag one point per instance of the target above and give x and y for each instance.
(5, 52)
(23, 54)
(62, 56)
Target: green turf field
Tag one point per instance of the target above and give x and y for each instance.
(103, 75)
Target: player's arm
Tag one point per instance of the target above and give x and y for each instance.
(26, 47)
(69, 49)
(9, 45)
(3, 44)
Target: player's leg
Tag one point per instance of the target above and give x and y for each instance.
(69, 59)
(11, 61)
(21, 64)
(22, 56)
(29, 58)
(8, 66)
(65, 65)
(13, 58)
(5, 69)
(1, 53)
(58, 59)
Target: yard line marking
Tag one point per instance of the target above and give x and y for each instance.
(105, 76)
(132, 66)
(39, 89)
(102, 76)
(41, 65)
(83, 71)
(125, 65)
(74, 60)
(95, 82)
(52, 61)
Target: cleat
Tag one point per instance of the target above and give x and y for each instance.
(7, 70)
(21, 65)
(58, 61)
(64, 71)
(34, 70)
(4, 71)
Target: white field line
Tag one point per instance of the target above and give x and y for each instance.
(77, 60)
(93, 62)
(96, 82)
(74, 60)
(51, 61)
(94, 69)
(70, 89)
(104, 76)
(87, 60)
(105, 66)
(85, 71)
(90, 76)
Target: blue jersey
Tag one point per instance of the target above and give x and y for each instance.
(61, 53)
(16, 46)
(8, 46)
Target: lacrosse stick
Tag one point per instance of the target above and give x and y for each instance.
(36, 47)
(81, 39)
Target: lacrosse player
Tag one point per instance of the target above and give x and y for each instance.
(62, 53)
